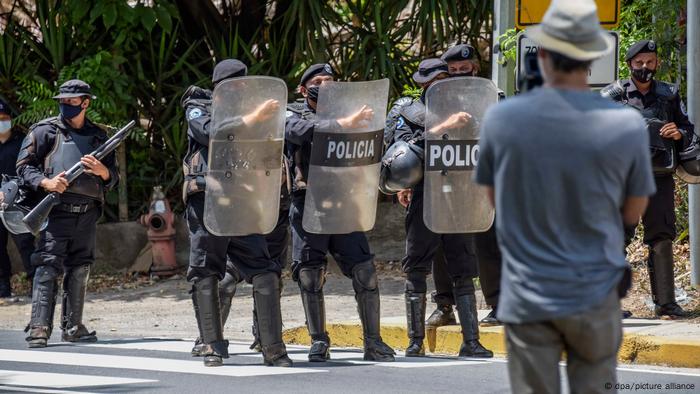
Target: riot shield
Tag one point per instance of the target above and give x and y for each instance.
(245, 156)
(453, 203)
(11, 209)
(342, 189)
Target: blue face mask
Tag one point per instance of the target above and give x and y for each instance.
(70, 111)
(5, 126)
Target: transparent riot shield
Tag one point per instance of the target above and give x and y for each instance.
(245, 156)
(342, 189)
(453, 203)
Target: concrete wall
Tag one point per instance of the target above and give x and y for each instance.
(118, 244)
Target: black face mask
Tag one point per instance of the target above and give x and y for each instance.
(312, 93)
(643, 74)
(70, 111)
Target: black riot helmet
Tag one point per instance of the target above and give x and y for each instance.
(402, 167)
(689, 158)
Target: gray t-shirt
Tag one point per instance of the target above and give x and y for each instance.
(562, 163)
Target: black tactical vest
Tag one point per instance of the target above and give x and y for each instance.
(68, 148)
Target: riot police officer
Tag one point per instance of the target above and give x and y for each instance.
(351, 251)
(670, 131)
(52, 146)
(461, 62)
(421, 243)
(209, 253)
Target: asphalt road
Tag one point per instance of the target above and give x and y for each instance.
(142, 365)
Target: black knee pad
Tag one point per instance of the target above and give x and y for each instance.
(311, 279)
(416, 282)
(463, 286)
(227, 286)
(364, 276)
(45, 273)
(266, 284)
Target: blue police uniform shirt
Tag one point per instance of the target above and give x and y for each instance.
(562, 163)
(9, 150)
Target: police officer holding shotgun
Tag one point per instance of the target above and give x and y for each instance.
(67, 244)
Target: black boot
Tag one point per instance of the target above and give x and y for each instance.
(364, 281)
(266, 295)
(198, 345)
(256, 333)
(443, 315)
(490, 319)
(227, 289)
(415, 318)
(74, 289)
(5, 287)
(311, 282)
(44, 291)
(471, 347)
(205, 293)
(660, 266)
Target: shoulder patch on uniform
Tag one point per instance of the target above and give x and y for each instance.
(194, 113)
(289, 113)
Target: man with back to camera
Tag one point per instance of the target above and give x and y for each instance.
(565, 179)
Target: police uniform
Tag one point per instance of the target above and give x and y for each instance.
(351, 251)
(247, 256)
(422, 243)
(485, 245)
(68, 242)
(9, 151)
(660, 105)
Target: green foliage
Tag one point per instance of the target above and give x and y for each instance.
(139, 57)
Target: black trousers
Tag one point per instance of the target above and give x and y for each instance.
(489, 259)
(68, 240)
(209, 253)
(422, 245)
(25, 246)
(659, 220)
(310, 250)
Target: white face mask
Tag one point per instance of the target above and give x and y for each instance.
(5, 126)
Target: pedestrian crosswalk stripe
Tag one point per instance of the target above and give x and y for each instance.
(15, 389)
(144, 363)
(296, 353)
(61, 380)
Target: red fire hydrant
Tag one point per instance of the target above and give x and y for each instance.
(160, 222)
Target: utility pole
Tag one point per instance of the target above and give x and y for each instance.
(503, 19)
(693, 34)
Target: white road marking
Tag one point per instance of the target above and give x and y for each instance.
(14, 389)
(62, 380)
(144, 363)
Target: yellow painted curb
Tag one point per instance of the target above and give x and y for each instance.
(639, 349)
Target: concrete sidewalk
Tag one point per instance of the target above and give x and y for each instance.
(650, 342)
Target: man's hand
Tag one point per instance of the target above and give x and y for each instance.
(262, 113)
(670, 130)
(358, 119)
(405, 197)
(95, 167)
(459, 119)
(59, 183)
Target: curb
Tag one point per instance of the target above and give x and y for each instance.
(638, 349)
